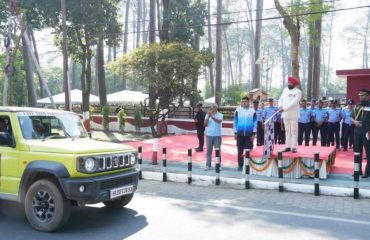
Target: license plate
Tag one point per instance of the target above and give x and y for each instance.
(121, 191)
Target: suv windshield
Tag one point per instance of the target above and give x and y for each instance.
(41, 125)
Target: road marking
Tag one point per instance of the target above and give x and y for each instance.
(335, 219)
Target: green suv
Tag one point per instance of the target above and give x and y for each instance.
(48, 163)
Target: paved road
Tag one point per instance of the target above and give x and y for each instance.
(178, 211)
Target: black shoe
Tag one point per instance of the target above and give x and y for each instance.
(294, 150)
(365, 176)
(199, 149)
(287, 150)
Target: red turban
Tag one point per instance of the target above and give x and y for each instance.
(293, 81)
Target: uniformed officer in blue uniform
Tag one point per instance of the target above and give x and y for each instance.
(320, 117)
(334, 119)
(304, 124)
(260, 132)
(313, 108)
(347, 126)
(268, 112)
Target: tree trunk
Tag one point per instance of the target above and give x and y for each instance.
(317, 60)
(114, 59)
(218, 89)
(293, 27)
(85, 106)
(152, 22)
(211, 77)
(240, 63)
(257, 45)
(138, 24)
(95, 89)
(86, 69)
(164, 30)
(125, 36)
(152, 90)
(251, 41)
(310, 67)
(195, 79)
(283, 55)
(29, 73)
(42, 91)
(364, 52)
(159, 15)
(101, 73)
(326, 76)
(144, 21)
(229, 58)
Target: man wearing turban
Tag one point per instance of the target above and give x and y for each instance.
(289, 106)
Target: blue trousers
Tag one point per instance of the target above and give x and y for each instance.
(212, 141)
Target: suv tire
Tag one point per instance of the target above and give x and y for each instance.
(46, 207)
(119, 202)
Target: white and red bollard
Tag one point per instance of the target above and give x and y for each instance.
(155, 152)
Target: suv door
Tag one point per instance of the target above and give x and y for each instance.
(9, 162)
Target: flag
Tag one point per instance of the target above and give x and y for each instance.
(269, 143)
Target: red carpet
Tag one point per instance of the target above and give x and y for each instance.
(177, 146)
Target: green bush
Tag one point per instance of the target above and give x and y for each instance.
(106, 111)
(138, 118)
(121, 119)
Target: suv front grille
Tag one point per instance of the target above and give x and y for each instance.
(116, 182)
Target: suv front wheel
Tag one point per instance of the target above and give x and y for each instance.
(119, 202)
(45, 205)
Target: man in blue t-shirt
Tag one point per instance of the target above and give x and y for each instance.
(245, 128)
(213, 124)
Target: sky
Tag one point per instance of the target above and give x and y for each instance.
(342, 56)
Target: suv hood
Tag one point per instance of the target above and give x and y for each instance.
(77, 146)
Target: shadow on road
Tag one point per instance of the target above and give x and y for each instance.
(85, 222)
(267, 210)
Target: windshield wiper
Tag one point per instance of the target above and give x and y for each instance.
(52, 136)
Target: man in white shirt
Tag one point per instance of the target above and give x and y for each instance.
(289, 106)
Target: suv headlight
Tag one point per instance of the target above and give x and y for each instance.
(132, 159)
(87, 164)
(90, 164)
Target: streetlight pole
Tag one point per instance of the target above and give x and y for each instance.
(66, 86)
